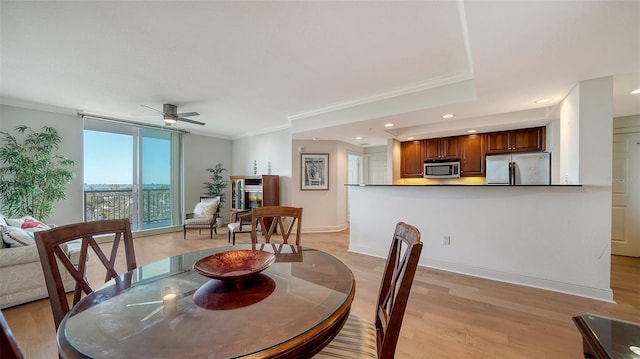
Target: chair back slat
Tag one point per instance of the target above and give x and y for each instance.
(8, 345)
(272, 218)
(51, 253)
(398, 276)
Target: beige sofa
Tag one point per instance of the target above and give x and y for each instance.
(21, 278)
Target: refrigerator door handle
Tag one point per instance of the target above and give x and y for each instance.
(512, 173)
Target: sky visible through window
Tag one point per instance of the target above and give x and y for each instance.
(108, 159)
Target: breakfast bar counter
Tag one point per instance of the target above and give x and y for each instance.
(550, 237)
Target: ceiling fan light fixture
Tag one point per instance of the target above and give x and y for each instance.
(170, 115)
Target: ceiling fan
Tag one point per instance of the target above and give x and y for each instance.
(170, 114)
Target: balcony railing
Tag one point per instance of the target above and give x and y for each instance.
(119, 203)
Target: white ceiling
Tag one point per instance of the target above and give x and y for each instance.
(327, 69)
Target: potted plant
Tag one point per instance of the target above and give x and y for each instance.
(32, 176)
(217, 187)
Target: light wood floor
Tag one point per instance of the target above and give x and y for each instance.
(448, 316)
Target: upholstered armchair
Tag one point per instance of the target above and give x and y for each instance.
(203, 216)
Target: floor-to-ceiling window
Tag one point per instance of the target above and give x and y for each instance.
(131, 172)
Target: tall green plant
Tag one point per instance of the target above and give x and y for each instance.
(218, 183)
(32, 176)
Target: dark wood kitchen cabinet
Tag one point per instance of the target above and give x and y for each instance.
(472, 155)
(524, 140)
(442, 148)
(470, 149)
(411, 159)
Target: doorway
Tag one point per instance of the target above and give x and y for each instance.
(375, 167)
(625, 228)
(355, 169)
(355, 173)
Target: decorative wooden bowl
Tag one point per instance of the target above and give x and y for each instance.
(234, 265)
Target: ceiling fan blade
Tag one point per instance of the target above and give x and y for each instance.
(187, 114)
(156, 110)
(190, 121)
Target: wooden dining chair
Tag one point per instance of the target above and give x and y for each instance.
(50, 249)
(360, 338)
(270, 219)
(241, 226)
(8, 346)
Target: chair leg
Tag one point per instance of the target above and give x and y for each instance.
(229, 236)
(184, 230)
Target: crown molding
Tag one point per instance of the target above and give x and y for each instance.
(408, 90)
(38, 106)
(263, 131)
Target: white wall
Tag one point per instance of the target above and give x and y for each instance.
(596, 132)
(394, 150)
(570, 138)
(553, 146)
(271, 151)
(272, 155)
(70, 128)
(200, 153)
(544, 237)
(324, 210)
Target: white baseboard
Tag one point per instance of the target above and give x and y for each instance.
(605, 295)
(556, 286)
(336, 228)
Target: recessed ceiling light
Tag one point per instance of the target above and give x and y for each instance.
(472, 131)
(544, 100)
(410, 138)
(389, 125)
(636, 91)
(358, 138)
(447, 115)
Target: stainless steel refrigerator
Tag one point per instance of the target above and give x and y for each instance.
(519, 169)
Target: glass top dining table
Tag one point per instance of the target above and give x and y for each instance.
(291, 309)
(605, 337)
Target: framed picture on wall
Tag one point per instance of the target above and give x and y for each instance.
(314, 168)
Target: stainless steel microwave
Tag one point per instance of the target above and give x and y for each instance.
(441, 168)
